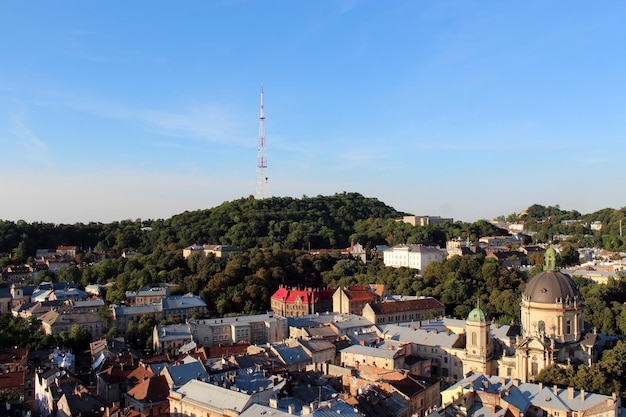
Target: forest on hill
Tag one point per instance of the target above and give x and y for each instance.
(275, 234)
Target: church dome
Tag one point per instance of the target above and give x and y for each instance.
(477, 315)
(550, 286)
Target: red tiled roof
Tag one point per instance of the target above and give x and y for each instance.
(139, 374)
(153, 389)
(116, 373)
(12, 380)
(308, 296)
(156, 359)
(360, 293)
(222, 351)
(12, 355)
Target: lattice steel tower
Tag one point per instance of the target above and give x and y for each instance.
(261, 167)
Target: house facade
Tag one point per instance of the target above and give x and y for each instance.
(404, 311)
(290, 302)
(412, 256)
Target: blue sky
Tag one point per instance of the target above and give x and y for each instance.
(113, 110)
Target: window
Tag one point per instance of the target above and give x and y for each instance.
(568, 327)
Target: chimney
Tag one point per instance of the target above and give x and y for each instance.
(306, 410)
(540, 386)
(291, 409)
(582, 394)
(273, 402)
(570, 393)
(556, 390)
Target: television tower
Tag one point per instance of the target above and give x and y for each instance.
(261, 167)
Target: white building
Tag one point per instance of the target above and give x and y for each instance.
(412, 256)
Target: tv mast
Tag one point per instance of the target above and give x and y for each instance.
(261, 167)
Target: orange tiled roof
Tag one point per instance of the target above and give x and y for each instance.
(140, 373)
(360, 293)
(12, 380)
(153, 389)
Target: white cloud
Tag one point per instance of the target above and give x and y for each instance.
(28, 142)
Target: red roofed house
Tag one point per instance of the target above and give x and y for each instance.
(291, 303)
(14, 374)
(109, 382)
(404, 311)
(352, 300)
(149, 397)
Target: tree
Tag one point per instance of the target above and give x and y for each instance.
(69, 274)
(77, 338)
(569, 256)
(555, 375)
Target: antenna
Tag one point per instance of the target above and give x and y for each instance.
(261, 167)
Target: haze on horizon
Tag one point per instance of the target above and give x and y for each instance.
(125, 110)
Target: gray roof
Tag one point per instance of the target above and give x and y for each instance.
(323, 331)
(422, 336)
(136, 310)
(213, 396)
(258, 410)
(269, 317)
(250, 379)
(310, 320)
(371, 351)
(522, 395)
(173, 332)
(500, 332)
(417, 248)
(317, 345)
(183, 373)
(351, 323)
(88, 303)
(549, 286)
(291, 355)
(183, 301)
(335, 408)
(147, 292)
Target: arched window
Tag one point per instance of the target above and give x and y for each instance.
(542, 327)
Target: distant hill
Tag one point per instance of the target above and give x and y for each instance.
(551, 221)
(294, 223)
(289, 223)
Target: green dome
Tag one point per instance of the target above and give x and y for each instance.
(477, 315)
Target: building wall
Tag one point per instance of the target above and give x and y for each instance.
(355, 359)
(564, 323)
(403, 256)
(247, 329)
(400, 317)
